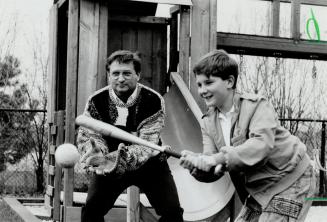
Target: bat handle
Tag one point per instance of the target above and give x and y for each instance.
(172, 153)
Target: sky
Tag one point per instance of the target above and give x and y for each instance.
(31, 19)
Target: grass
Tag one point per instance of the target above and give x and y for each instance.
(7, 214)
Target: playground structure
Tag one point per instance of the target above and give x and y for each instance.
(84, 32)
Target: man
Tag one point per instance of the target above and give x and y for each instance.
(137, 109)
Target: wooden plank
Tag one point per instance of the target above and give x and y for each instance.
(275, 17)
(305, 2)
(53, 130)
(51, 170)
(184, 44)
(129, 38)
(49, 190)
(103, 45)
(71, 91)
(73, 214)
(173, 35)
(20, 210)
(174, 9)
(201, 42)
(138, 19)
(52, 149)
(295, 20)
(53, 61)
(48, 205)
(176, 2)
(72, 69)
(60, 122)
(212, 24)
(114, 37)
(144, 46)
(61, 2)
(133, 203)
(271, 46)
(88, 51)
(159, 58)
(114, 215)
(147, 215)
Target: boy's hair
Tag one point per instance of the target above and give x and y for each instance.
(217, 63)
(125, 56)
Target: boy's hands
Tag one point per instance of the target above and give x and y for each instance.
(193, 161)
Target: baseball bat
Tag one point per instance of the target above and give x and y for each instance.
(112, 131)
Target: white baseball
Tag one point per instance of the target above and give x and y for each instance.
(66, 155)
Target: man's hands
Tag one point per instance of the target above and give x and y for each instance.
(94, 161)
(193, 161)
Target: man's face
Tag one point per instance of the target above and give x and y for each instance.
(123, 78)
(214, 90)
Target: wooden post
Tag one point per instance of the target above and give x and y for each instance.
(88, 51)
(103, 45)
(173, 54)
(59, 120)
(275, 17)
(295, 19)
(204, 36)
(133, 204)
(53, 61)
(322, 174)
(184, 44)
(71, 93)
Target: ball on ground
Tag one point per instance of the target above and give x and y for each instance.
(67, 155)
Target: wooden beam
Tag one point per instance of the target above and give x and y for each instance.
(53, 61)
(305, 2)
(275, 17)
(61, 2)
(184, 44)
(203, 18)
(71, 93)
(295, 19)
(133, 204)
(271, 46)
(174, 9)
(103, 45)
(137, 19)
(88, 52)
(173, 2)
(173, 42)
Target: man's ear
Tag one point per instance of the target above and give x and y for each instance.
(138, 76)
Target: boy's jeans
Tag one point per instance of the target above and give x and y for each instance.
(290, 205)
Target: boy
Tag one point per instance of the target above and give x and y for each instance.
(242, 135)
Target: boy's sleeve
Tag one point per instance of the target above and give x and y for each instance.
(248, 152)
(209, 146)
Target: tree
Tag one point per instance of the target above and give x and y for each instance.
(12, 96)
(22, 133)
(39, 72)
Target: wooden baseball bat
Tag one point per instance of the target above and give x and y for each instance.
(112, 131)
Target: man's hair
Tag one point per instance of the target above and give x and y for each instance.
(217, 63)
(125, 56)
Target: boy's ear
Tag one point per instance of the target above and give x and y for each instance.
(231, 81)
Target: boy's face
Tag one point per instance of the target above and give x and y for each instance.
(214, 90)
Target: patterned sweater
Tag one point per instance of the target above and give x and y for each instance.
(142, 114)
